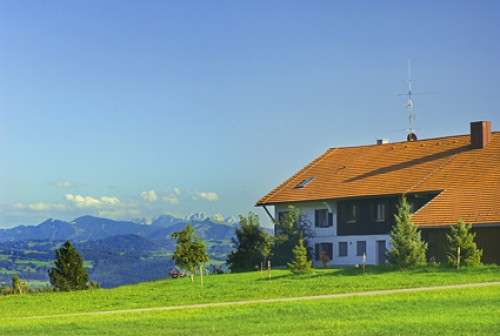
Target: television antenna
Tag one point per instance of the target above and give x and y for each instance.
(409, 105)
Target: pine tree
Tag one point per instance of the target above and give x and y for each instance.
(69, 273)
(291, 227)
(461, 237)
(190, 251)
(300, 264)
(408, 249)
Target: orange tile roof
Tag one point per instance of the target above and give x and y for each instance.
(467, 180)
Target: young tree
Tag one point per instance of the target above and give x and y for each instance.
(16, 285)
(249, 246)
(190, 251)
(300, 264)
(69, 273)
(408, 249)
(291, 227)
(461, 238)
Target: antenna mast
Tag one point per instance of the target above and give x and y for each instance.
(409, 106)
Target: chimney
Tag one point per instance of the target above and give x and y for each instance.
(382, 141)
(480, 134)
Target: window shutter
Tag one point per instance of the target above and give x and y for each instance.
(316, 251)
(330, 219)
(316, 218)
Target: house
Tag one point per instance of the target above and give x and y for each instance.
(350, 194)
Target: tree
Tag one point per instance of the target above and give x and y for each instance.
(190, 251)
(461, 238)
(408, 249)
(250, 244)
(291, 227)
(69, 273)
(16, 285)
(300, 264)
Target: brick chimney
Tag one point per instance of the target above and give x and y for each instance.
(480, 134)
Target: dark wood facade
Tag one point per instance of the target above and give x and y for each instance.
(487, 239)
(371, 216)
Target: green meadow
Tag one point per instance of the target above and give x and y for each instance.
(450, 311)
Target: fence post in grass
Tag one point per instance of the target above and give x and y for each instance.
(364, 261)
(269, 269)
(458, 258)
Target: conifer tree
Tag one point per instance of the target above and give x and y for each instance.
(290, 228)
(300, 264)
(408, 249)
(68, 273)
(461, 237)
(190, 251)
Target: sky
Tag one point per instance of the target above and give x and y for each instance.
(133, 109)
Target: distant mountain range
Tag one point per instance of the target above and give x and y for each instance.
(119, 252)
(93, 228)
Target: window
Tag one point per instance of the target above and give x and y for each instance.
(322, 218)
(380, 212)
(304, 183)
(412, 207)
(360, 247)
(342, 249)
(323, 250)
(352, 212)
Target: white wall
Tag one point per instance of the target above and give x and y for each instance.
(329, 235)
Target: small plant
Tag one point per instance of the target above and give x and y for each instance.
(324, 258)
(462, 247)
(300, 264)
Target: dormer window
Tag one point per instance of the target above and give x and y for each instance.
(304, 183)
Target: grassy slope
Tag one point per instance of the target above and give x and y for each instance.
(466, 310)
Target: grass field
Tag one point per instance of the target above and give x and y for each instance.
(457, 311)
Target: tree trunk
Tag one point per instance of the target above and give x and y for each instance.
(201, 274)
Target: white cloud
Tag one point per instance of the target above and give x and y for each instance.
(20, 206)
(62, 184)
(42, 206)
(90, 202)
(209, 196)
(172, 199)
(177, 191)
(149, 196)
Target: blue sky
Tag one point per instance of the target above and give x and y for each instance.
(128, 109)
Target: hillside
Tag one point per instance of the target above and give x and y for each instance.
(115, 252)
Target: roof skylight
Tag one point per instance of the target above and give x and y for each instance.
(304, 183)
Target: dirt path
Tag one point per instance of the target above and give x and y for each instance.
(300, 298)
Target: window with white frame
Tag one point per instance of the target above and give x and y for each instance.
(322, 218)
(323, 251)
(352, 213)
(380, 214)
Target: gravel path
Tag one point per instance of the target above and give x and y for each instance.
(300, 298)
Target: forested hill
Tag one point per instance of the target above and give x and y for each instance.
(115, 253)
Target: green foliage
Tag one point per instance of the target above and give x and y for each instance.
(408, 249)
(250, 245)
(292, 227)
(300, 264)
(190, 251)
(69, 273)
(16, 284)
(463, 238)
